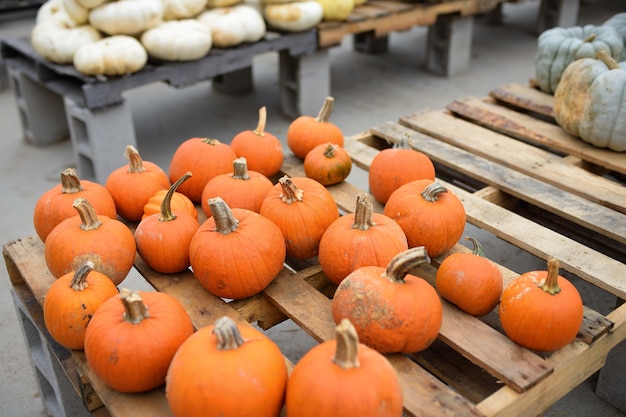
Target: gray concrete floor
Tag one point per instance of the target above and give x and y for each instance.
(368, 89)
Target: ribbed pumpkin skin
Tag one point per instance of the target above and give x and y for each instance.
(206, 382)
(205, 158)
(135, 357)
(180, 202)
(328, 164)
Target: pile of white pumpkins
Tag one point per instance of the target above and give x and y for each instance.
(117, 37)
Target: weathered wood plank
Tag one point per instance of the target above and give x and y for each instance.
(525, 98)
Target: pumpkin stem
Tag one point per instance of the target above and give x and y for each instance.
(363, 213)
(590, 38)
(260, 128)
(607, 59)
(70, 183)
(135, 164)
(431, 193)
(227, 334)
(134, 308)
(347, 350)
(551, 285)
(212, 142)
(326, 110)
(329, 152)
(291, 193)
(478, 248)
(166, 203)
(405, 142)
(79, 281)
(402, 264)
(240, 169)
(87, 214)
(225, 222)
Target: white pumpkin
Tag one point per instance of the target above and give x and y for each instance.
(222, 3)
(53, 11)
(58, 43)
(77, 12)
(294, 17)
(232, 26)
(127, 17)
(91, 4)
(618, 22)
(178, 40)
(110, 56)
(182, 9)
(337, 10)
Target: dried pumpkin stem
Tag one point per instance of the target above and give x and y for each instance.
(240, 169)
(87, 213)
(610, 63)
(551, 285)
(326, 110)
(404, 143)
(135, 311)
(404, 262)
(166, 203)
(431, 193)
(70, 183)
(79, 280)
(225, 222)
(212, 142)
(329, 152)
(363, 213)
(260, 128)
(291, 193)
(590, 38)
(347, 350)
(227, 334)
(478, 248)
(135, 163)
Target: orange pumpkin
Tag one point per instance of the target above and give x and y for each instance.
(106, 242)
(358, 239)
(163, 239)
(134, 183)
(262, 150)
(429, 214)
(236, 253)
(72, 300)
(328, 164)
(227, 370)
(206, 158)
(302, 209)
(306, 132)
(55, 205)
(396, 166)
(470, 281)
(240, 189)
(392, 310)
(133, 337)
(329, 380)
(179, 202)
(541, 310)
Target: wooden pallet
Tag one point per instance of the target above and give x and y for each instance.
(472, 369)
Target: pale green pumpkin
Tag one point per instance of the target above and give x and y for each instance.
(618, 22)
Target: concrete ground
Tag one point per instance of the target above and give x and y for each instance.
(368, 89)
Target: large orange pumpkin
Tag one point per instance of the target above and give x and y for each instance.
(343, 377)
(306, 132)
(302, 209)
(206, 158)
(227, 370)
(392, 310)
(358, 239)
(328, 164)
(134, 183)
(429, 214)
(541, 310)
(133, 337)
(262, 150)
(55, 205)
(236, 253)
(106, 242)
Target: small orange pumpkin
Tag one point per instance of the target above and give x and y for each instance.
(55, 205)
(134, 183)
(392, 310)
(306, 132)
(206, 158)
(179, 202)
(302, 209)
(227, 370)
(328, 164)
(329, 380)
(541, 310)
(262, 150)
(470, 281)
(133, 337)
(72, 300)
(358, 239)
